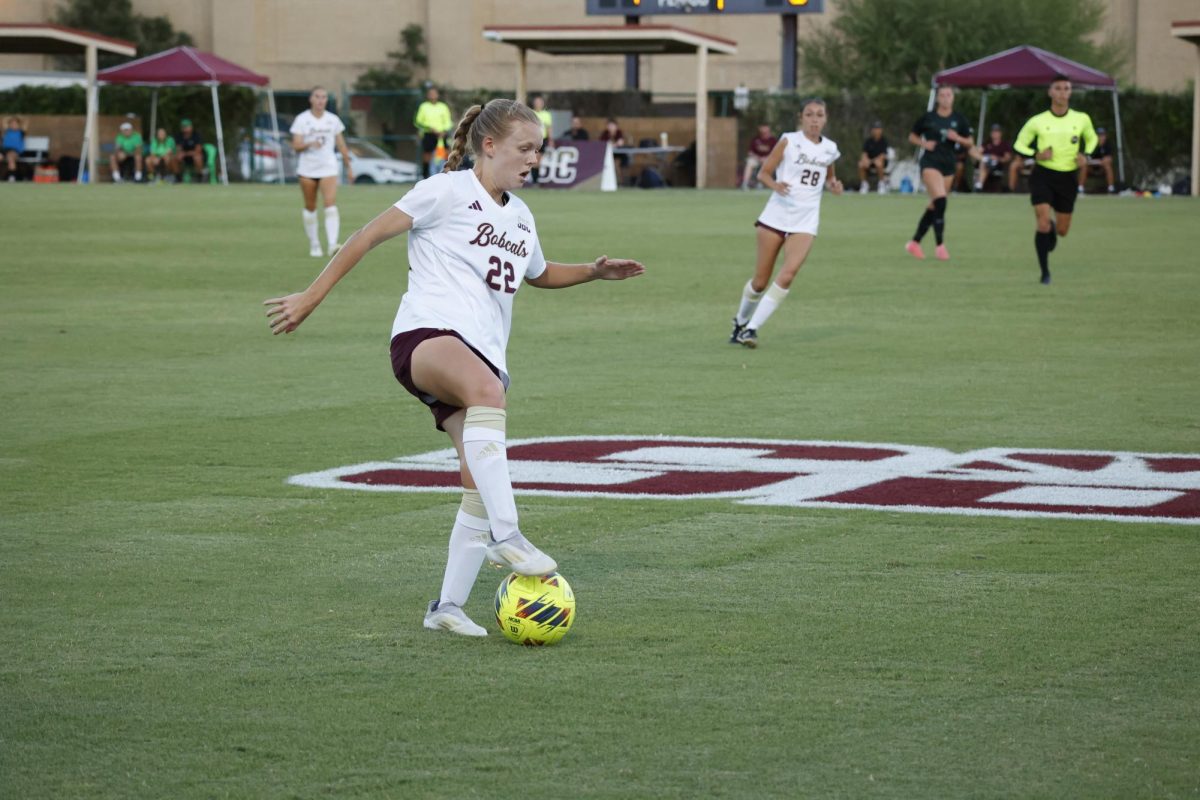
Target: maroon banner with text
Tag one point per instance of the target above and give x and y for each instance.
(572, 165)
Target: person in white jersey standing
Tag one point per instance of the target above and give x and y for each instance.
(316, 133)
(471, 244)
(797, 172)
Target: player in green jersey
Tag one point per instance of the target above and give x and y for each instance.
(938, 133)
(1059, 140)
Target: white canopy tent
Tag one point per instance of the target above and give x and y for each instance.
(60, 40)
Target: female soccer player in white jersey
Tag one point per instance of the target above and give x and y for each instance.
(796, 172)
(315, 134)
(470, 245)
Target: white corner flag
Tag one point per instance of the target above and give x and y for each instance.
(608, 178)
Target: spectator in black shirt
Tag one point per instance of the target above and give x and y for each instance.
(1100, 162)
(576, 133)
(874, 157)
(191, 149)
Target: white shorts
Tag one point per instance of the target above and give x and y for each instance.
(788, 216)
(317, 165)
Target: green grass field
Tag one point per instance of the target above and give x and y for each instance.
(177, 621)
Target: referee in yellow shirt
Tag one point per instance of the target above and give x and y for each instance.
(434, 124)
(1059, 140)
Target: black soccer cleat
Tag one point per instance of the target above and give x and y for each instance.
(748, 337)
(733, 337)
(1045, 278)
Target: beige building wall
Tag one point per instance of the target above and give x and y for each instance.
(1157, 60)
(299, 43)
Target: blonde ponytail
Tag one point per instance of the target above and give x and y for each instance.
(461, 143)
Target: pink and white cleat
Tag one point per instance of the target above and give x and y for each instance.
(914, 249)
(942, 253)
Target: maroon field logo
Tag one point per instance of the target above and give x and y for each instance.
(996, 481)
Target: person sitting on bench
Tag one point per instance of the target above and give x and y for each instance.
(14, 145)
(127, 150)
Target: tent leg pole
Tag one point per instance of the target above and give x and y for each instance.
(220, 135)
(702, 118)
(982, 117)
(87, 137)
(91, 147)
(275, 131)
(153, 112)
(1120, 138)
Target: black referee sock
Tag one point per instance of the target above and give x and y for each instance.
(939, 218)
(923, 225)
(1044, 243)
(1053, 239)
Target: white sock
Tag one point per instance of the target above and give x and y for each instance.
(468, 546)
(487, 459)
(750, 300)
(310, 227)
(775, 295)
(332, 222)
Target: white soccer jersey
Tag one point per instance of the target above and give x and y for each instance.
(467, 256)
(804, 168)
(319, 161)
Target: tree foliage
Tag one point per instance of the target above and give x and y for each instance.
(117, 18)
(406, 65)
(894, 43)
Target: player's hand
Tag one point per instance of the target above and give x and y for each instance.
(929, 145)
(782, 188)
(835, 186)
(616, 269)
(1046, 154)
(284, 314)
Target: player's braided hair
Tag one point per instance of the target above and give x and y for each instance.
(459, 145)
(495, 119)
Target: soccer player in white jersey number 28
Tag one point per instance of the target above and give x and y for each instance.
(471, 243)
(315, 135)
(796, 172)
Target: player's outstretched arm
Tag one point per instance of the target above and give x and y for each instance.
(560, 276)
(766, 173)
(284, 314)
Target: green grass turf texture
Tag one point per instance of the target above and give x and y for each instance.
(178, 622)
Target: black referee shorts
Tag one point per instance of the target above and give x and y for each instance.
(1058, 189)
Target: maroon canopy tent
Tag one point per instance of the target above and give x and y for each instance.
(1027, 66)
(187, 66)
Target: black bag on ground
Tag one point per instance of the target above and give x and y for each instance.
(68, 168)
(650, 179)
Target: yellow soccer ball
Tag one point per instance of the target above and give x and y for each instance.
(535, 610)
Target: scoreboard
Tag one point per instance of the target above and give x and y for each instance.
(640, 8)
